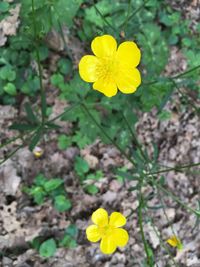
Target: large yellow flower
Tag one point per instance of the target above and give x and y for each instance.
(107, 229)
(111, 68)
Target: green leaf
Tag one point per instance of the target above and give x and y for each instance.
(95, 176)
(48, 248)
(53, 184)
(30, 114)
(7, 73)
(65, 66)
(4, 7)
(61, 203)
(10, 89)
(57, 79)
(165, 115)
(40, 180)
(22, 127)
(52, 126)
(64, 141)
(38, 194)
(68, 242)
(72, 230)
(91, 189)
(81, 166)
(35, 139)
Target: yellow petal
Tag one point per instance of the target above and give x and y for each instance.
(106, 86)
(104, 46)
(120, 236)
(92, 233)
(108, 245)
(128, 80)
(88, 66)
(100, 217)
(117, 219)
(129, 53)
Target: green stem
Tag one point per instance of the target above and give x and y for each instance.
(11, 140)
(106, 135)
(134, 13)
(176, 76)
(162, 243)
(176, 199)
(104, 19)
(123, 25)
(186, 72)
(140, 219)
(138, 145)
(43, 96)
(11, 154)
(186, 98)
(178, 168)
(65, 112)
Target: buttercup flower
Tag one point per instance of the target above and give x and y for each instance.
(111, 68)
(107, 230)
(175, 242)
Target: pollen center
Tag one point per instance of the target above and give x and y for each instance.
(107, 68)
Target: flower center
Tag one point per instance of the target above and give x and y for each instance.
(107, 68)
(106, 230)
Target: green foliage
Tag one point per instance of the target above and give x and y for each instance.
(81, 166)
(53, 189)
(64, 141)
(69, 238)
(87, 178)
(48, 248)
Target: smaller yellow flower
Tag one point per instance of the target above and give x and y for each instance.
(107, 230)
(175, 242)
(38, 152)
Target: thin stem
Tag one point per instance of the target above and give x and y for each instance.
(186, 72)
(176, 199)
(11, 140)
(135, 138)
(104, 19)
(123, 25)
(140, 219)
(185, 97)
(134, 13)
(106, 135)
(162, 243)
(64, 112)
(43, 97)
(11, 154)
(178, 168)
(176, 76)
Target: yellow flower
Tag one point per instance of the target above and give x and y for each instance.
(175, 242)
(107, 229)
(111, 68)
